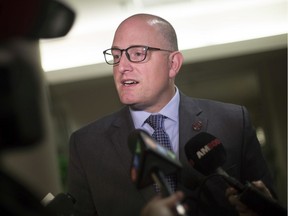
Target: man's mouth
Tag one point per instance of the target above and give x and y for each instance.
(129, 82)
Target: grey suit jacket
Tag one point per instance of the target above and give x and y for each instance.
(100, 160)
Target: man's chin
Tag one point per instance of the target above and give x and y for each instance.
(128, 101)
(135, 106)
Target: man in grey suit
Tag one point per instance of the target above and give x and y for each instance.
(146, 60)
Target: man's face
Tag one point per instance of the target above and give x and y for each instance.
(145, 85)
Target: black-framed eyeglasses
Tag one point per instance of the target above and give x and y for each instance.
(135, 53)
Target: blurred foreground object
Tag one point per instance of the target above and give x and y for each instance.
(34, 19)
(22, 23)
(24, 109)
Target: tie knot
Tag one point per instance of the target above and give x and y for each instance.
(155, 121)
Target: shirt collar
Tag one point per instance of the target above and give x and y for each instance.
(171, 110)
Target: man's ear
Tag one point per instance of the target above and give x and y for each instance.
(176, 60)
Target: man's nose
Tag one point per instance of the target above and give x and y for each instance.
(124, 63)
(124, 58)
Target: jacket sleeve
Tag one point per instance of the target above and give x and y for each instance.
(254, 165)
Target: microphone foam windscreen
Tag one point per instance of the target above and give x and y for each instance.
(205, 153)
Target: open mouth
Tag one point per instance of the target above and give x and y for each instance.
(129, 82)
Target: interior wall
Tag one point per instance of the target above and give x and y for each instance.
(257, 81)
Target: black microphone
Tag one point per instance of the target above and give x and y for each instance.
(151, 162)
(60, 205)
(206, 154)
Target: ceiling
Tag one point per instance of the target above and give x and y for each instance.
(204, 27)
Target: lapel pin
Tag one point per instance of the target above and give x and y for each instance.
(197, 126)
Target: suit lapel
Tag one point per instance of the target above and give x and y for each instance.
(192, 121)
(119, 131)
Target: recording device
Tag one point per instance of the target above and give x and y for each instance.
(149, 157)
(206, 154)
(151, 162)
(22, 24)
(35, 19)
(61, 205)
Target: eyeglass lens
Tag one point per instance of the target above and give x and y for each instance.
(134, 54)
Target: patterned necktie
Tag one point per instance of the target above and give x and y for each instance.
(159, 134)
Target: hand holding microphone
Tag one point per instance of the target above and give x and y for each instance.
(163, 206)
(60, 205)
(243, 210)
(207, 154)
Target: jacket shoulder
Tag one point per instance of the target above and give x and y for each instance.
(208, 105)
(102, 124)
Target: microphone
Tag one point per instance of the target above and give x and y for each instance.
(151, 162)
(61, 205)
(206, 154)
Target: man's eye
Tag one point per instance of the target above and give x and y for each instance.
(116, 56)
(138, 54)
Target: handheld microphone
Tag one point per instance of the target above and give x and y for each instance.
(151, 162)
(148, 157)
(206, 154)
(60, 205)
